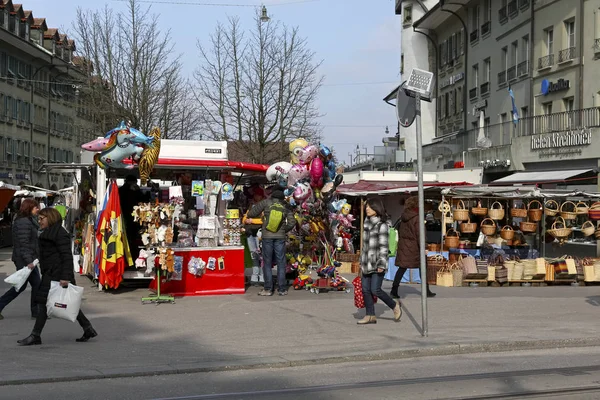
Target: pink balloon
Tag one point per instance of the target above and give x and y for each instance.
(302, 192)
(96, 145)
(308, 154)
(316, 173)
(297, 173)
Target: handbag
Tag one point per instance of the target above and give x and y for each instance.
(444, 277)
(468, 264)
(359, 300)
(62, 302)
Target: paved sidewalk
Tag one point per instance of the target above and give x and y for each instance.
(247, 331)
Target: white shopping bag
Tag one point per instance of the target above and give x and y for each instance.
(62, 302)
(19, 278)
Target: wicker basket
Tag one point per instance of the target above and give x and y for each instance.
(461, 213)
(582, 208)
(488, 229)
(568, 215)
(507, 232)
(519, 211)
(434, 264)
(594, 211)
(452, 239)
(552, 208)
(597, 233)
(496, 213)
(588, 228)
(534, 214)
(562, 232)
(528, 227)
(468, 227)
(479, 211)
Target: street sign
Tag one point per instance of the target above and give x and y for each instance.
(405, 107)
(420, 82)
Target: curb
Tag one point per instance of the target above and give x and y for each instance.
(282, 362)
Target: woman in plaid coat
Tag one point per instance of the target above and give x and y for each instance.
(374, 261)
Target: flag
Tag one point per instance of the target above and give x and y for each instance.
(515, 112)
(114, 254)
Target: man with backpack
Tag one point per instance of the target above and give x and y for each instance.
(277, 222)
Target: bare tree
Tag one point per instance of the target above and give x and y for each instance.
(258, 91)
(132, 69)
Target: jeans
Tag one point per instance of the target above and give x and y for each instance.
(371, 285)
(42, 317)
(254, 248)
(34, 280)
(274, 249)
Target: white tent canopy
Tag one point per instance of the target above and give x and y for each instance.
(513, 192)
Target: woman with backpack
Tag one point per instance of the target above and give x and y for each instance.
(374, 261)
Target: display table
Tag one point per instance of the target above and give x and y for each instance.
(229, 280)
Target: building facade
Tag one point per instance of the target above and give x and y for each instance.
(42, 119)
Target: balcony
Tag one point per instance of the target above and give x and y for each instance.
(511, 73)
(484, 88)
(567, 54)
(486, 28)
(596, 46)
(546, 61)
(513, 8)
(502, 78)
(523, 68)
(523, 4)
(474, 35)
(565, 121)
(502, 15)
(473, 94)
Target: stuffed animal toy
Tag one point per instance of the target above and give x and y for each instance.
(169, 235)
(140, 262)
(170, 260)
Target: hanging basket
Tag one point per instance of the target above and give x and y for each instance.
(528, 227)
(559, 229)
(507, 233)
(552, 208)
(568, 215)
(594, 211)
(582, 208)
(588, 228)
(534, 213)
(461, 213)
(488, 229)
(452, 239)
(519, 211)
(479, 211)
(496, 213)
(468, 227)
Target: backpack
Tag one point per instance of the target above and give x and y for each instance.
(276, 217)
(392, 241)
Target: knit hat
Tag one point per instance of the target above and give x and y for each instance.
(277, 194)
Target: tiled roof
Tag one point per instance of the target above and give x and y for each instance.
(28, 13)
(17, 7)
(51, 32)
(38, 22)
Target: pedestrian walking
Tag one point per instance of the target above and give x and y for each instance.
(56, 262)
(374, 260)
(25, 251)
(278, 220)
(408, 250)
(251, 227)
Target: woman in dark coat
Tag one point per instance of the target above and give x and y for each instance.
(408, 250)
(374, 261)
(56, 263)
(25, 251)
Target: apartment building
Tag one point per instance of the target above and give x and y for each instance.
(42, 118)
(591, 53)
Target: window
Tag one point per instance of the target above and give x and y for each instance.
(569, 102)
(9, 149)
(475, 17)
(487, 10)
(476, 75)
(486, 69)
(459, 95)
(27, 31)
(570, 31)
(514, 49)
(524, 112)
(408, 14)
(547, 108)
(402, 63)
(459, 42)
(504, 58)
(549, 41)
(447, 104)
(525, 48)
(15, 109)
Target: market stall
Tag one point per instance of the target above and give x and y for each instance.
(7, 193)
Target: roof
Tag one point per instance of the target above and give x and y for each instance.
(38, 22)
(365, 188)
(437, 16)
(50, 32)
(541, 176)
(514, 192)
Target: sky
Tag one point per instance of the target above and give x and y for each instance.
(357, 40)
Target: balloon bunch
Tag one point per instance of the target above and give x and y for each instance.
(122, 143)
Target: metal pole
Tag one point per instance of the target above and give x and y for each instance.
(423, 268)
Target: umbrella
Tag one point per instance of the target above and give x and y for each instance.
(114, 254)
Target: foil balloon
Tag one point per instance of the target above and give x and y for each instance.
(96, 145)
(297, 173)
(302, 192)
(150, 155)
(316, 173)
(296, 147)
(308, 154)
(122, 144)
(279, 172)
(339, 178)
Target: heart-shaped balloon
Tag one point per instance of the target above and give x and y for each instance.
(316, 173)
(297, 174)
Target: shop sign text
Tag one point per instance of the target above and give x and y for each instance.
(564, 139)
(212, 151)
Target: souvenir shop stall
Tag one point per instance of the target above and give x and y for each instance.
(515, 236)
(7, 195)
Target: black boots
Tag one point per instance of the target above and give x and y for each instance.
(87, 335)
(30, 340)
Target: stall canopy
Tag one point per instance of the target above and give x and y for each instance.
(365, 188)
(542, 176)
(6, 194)
(520, 192)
